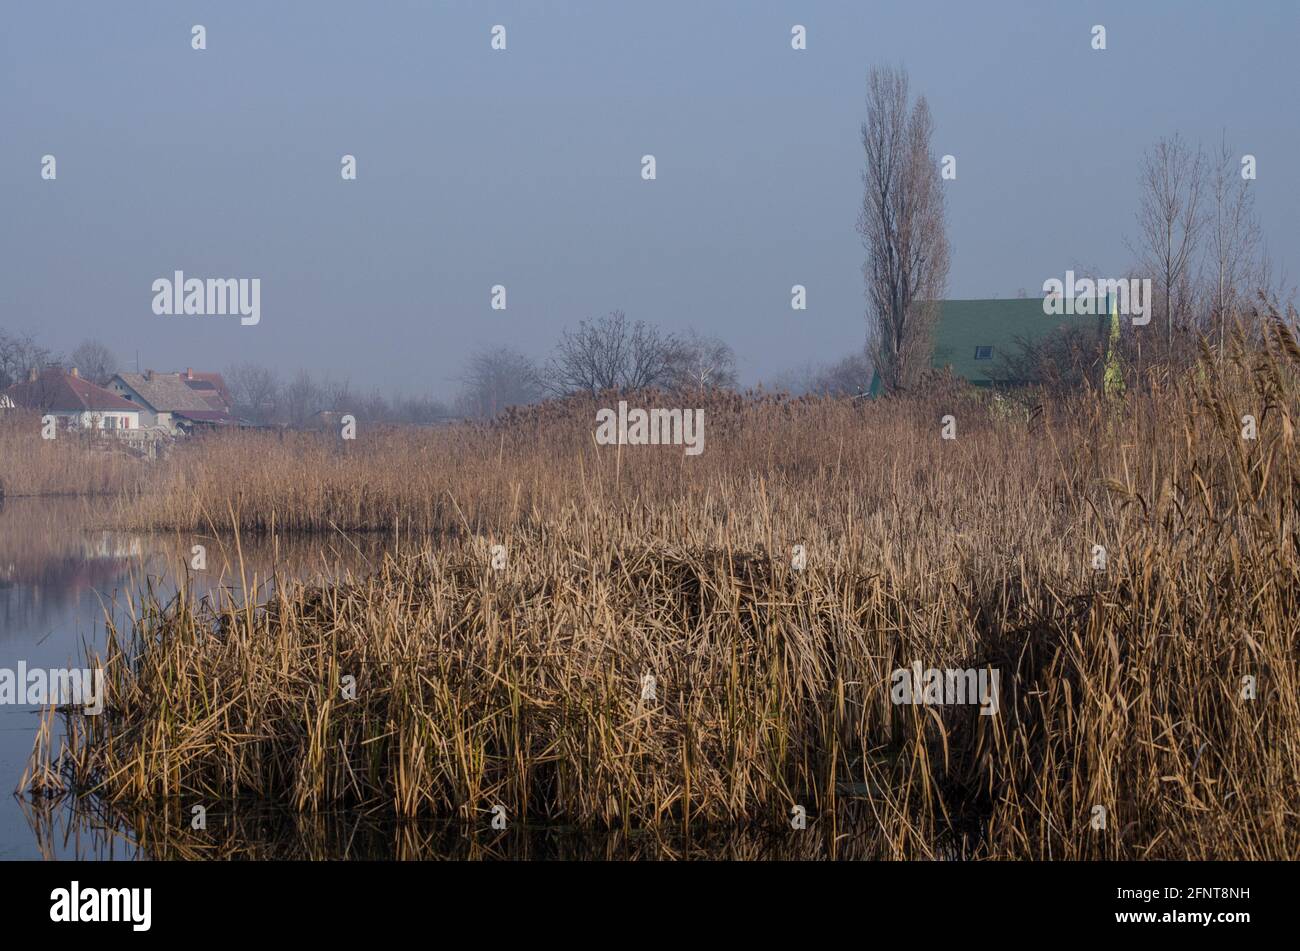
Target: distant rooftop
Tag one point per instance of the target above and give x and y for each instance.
(56, 390)
(166, 392)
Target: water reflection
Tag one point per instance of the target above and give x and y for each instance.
(254, 833)
(62, 578)
(50, 561)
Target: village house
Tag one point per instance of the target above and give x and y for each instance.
(74, 401)
(981, 341)
(177, 402)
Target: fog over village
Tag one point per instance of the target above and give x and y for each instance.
(477, 168)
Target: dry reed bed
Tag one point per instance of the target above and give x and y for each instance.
(70, 464)
(522, 687)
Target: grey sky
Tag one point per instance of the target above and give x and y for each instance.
(522, 167)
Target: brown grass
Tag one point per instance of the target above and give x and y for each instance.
(70, 464)
(521, 687)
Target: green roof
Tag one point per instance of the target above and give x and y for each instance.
(1004, 325)
(977, 337)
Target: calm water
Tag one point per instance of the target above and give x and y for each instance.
(59, 582)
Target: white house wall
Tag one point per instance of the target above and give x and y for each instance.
(101, 420)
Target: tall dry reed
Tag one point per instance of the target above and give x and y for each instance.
(72, 463)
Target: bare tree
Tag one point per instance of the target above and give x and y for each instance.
(1170, 220)
(258, 396)
(94, 361)
(611, 353)
(902, 227)
(371, 406)
(850, 376)
(20, 353)
(305, 396)
(1234, 238)
(300, 398)
(497, 379)
(254, 390)
(702, 362)
(338, 396)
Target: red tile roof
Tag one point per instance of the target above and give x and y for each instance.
(209, 393)
(53, 390)
(206, 381)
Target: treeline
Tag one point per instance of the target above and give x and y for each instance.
(611, 352)
(261, 396)
(21, 353)
(615, 353)
(1200, 242)
(607, 353)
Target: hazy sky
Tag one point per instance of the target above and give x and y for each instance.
(523, 167)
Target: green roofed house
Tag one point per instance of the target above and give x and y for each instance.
(980, 340)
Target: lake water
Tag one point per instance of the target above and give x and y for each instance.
(61, 578)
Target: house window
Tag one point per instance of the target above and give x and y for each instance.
(983, 353)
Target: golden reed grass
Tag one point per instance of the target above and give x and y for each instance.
(522, 687)
(70, 464)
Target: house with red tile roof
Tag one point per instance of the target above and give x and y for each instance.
(75, 401)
